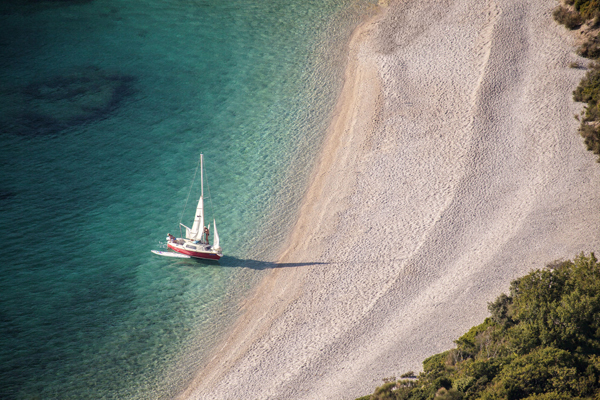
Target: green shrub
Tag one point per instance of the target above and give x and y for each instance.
(436, 363)
(587, 8)
(400, 390)
(588, 92)
(552, 396)
(590, 48)
(589, 88)
(568, 18)
(585, 11)
(487, 368)
(545, 369)
(550, 351)
(500, 310)
(442, 382)
(591, 138)
(448, 394)
(463, 384)
(385, 392)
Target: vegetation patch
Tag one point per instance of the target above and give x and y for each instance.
(585, 15)
(542, 341)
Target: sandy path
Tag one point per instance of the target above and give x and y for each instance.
(452, 167)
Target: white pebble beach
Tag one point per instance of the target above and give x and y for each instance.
(451, 167)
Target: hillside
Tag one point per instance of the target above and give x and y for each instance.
(541, 342)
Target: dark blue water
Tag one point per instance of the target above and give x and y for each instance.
(106, 107)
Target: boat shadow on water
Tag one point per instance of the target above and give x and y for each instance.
(228, 261)
(234, 262)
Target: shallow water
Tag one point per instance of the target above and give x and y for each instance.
(106, 107)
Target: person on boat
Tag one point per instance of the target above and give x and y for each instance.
(206, 233)
(170, 238)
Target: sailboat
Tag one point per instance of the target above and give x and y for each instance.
(196, 242)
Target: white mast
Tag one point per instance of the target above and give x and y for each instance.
(198, 228)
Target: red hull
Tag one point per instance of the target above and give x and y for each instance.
(195, 254)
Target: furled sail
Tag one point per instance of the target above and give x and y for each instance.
(198, 228)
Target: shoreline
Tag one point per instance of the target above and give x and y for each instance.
(441, 179)
(280, 287)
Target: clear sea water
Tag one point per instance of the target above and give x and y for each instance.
(106, 106)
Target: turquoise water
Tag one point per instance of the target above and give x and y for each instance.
(105, 109)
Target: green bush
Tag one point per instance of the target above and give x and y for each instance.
(586, 11)
(591, 138)
(590, 48)
(436, 364)
(545, 369)
(550, 350)
(568, 18)
(552, 396)
(587, 8)
(448, 394)
(500, 310)
(463, 384)
(588, 92)
(400, 390)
